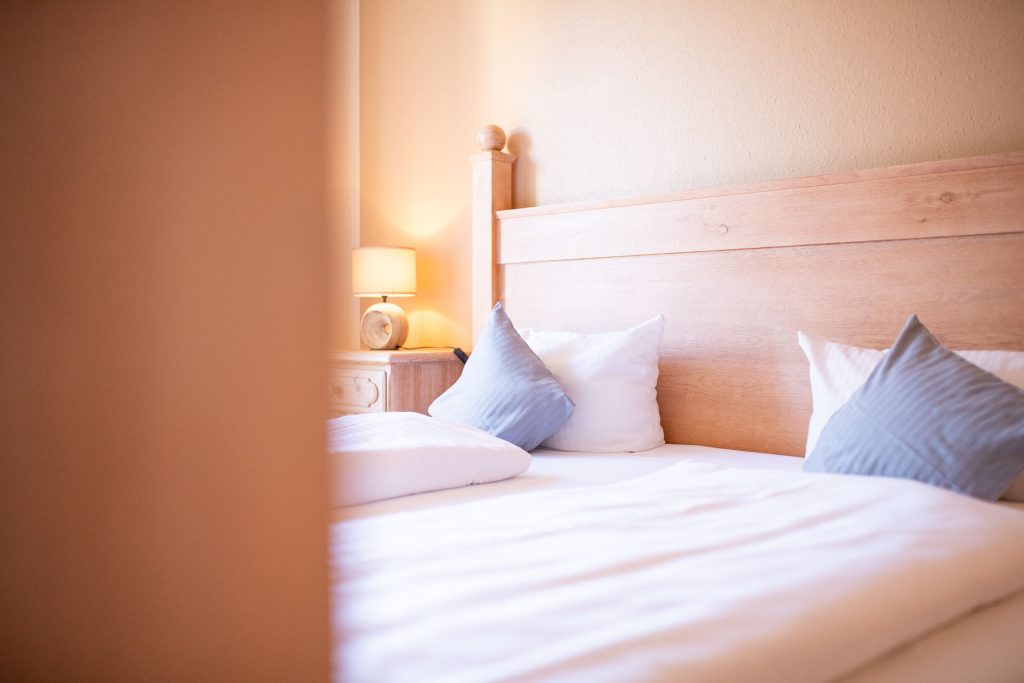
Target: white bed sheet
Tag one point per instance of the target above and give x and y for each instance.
(560, 469)
(982, 644)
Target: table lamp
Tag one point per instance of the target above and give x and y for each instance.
(384, 272)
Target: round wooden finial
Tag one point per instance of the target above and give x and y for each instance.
(491, 138)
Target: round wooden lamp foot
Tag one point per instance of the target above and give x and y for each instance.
(384, 326)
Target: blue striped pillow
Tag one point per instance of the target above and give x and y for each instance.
(927, 414)
(505, 389)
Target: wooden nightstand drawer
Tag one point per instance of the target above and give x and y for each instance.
(358, 390)
(384, 381)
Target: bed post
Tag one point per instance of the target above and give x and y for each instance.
(492, 191)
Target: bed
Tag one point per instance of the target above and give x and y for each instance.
(611, 567)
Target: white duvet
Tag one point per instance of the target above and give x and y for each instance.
(694, 573)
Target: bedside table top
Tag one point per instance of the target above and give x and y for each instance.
(395, 356)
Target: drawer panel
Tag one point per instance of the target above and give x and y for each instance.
(358, 390)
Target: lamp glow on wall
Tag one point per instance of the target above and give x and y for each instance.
(384, 272)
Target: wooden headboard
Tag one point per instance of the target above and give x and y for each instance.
(737, 271)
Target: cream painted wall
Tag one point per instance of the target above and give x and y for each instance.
(607, 98)
(418, 116)
(343, 169)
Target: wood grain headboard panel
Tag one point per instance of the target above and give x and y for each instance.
(737, 271)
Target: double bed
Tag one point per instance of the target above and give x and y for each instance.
(718, 560)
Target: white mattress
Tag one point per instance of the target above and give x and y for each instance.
(984, 645)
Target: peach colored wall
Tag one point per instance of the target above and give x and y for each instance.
(343, 167)
(417, 121)
(163, 294)
(607, 98)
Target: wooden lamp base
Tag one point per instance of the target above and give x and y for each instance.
(384, 326)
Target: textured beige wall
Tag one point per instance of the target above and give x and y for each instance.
(607, 98)
(162, 296)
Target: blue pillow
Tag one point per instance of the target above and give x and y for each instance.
(505, 389)
(927, 414)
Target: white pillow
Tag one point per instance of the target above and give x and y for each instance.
(838, 370)
(611, 377)
(384, 455)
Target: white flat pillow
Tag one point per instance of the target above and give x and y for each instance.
(838, 370)
(385, 455)
(611, 377)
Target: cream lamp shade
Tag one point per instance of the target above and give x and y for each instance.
(384, 272)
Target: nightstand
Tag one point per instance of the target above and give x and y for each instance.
(389, 381)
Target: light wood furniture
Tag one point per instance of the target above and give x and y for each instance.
(737, 271)
(492, 191)
(389, 381)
